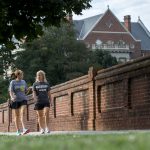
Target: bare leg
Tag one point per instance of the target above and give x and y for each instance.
(22, 116)
(40, 119)
(46, 116)
(16, 118)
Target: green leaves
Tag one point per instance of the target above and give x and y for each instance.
(102, 59)
(6, 58)
(57, 52)
(3, 90)
(26, 18)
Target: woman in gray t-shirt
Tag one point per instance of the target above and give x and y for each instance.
(17, 89)
(42, 97)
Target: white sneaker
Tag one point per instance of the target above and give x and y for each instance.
(42, 131)
(47, 130)
(25, 131)
(18, 132)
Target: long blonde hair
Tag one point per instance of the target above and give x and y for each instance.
(43, 74)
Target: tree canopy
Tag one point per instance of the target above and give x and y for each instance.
(102, 59)
(6, 59)
(3, 90)
(57, 52)
(26, 18)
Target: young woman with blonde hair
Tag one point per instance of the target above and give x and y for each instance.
(17, 90)
(42, 97)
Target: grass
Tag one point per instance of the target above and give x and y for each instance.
(128, 141)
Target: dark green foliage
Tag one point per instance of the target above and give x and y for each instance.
(6, 59)
(58, 53)
(4, 90)
(102, 59)
(27, 17)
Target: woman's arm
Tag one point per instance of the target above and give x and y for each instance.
(34, 95)
(11, 91)
(12, 96)
(29, 91)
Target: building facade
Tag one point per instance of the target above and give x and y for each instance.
(125, 40)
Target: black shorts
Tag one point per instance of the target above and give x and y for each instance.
(40, 106)
(16, 105)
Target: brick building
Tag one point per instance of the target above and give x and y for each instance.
(125, 40)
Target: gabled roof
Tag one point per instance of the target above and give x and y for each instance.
(83, 26)
(138, 30)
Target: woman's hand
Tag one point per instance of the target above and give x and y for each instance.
(51, 104)
(34, 96)
(13, 98)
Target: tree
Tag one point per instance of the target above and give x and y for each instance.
(3, 90)
(26, 18)
(6, 59)
(102, 59)
(58, 53)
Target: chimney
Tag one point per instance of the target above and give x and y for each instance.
(127, 22)
(69, 17)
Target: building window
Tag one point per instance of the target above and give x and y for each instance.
(93, 46)
(110, 42)
(132, 46)
(87, 45)
(98, 44)
(121, 44)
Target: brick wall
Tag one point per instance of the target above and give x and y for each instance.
(73, 107)
(111, 99)
(123, 96)
(73, 104)
(4, 117)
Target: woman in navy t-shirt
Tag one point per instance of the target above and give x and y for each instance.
(42, 97)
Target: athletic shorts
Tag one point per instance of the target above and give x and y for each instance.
(40, 106)
(16, 105)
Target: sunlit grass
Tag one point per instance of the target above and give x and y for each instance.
(128, 141)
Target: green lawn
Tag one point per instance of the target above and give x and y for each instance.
(127, 141)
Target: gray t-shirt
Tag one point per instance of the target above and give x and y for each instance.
(18, 88)
(41, 89)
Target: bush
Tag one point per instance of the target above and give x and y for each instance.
(4, 90)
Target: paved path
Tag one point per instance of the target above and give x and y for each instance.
(78, 132)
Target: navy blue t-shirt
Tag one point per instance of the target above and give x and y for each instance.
(41, 89)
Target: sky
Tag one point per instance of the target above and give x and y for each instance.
(120, 8)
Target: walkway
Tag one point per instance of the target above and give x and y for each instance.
(78, 132)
